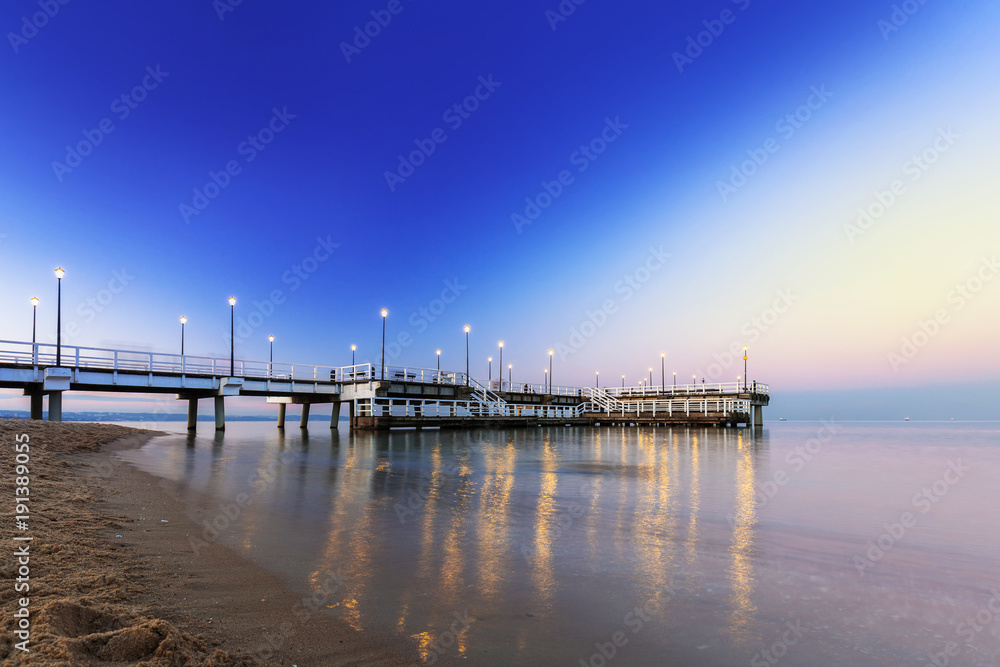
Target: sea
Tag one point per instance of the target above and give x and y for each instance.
(801, 543)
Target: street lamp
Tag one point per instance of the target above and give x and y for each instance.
(597, 379)
(545, 378)
(650, 376)
(489, 376)
(353, 350)
(551, 352)
(184, 321)
(34, 320)
(663, 372)
(500, 364)
(439, 361)
(510, 369)
(675, 380)
(59, 276)
(385, 314)
(623, 380)
(467, 355)
(744, 367)
(270, 362)
(232, 336)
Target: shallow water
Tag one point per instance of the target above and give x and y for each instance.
(808, 544)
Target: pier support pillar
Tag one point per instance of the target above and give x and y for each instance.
(55, 406)
(36, 406)
(335, 415)
(281, 415)
(192, 414)
(304, 422)
(220, 413)
(758, 416)
(352, 418)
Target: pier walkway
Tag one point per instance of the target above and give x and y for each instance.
(377, 398)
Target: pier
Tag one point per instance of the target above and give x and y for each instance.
(377, 398)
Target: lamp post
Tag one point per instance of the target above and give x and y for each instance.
(510, 369)
(675, 380)
(439, 361)
(489, 375)
(184, 321)
(500, 364)
(385, 314)
(663, 372)
(34, 320)
(467, 355)
(545, 378)
(232, 336)
(650, 376)
(353, 350)
(597, 379)
(59, 276)
(744, 367)
(270, 361)
(551, 352)
(623, 380)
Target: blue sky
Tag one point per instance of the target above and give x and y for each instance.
(672, 155)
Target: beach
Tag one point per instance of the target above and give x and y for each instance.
(114, 577)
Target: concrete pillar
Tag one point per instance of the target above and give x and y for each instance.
(55, 406)
(758, 416)
(36, 406)
(220, 413)
(335, 415)
(304, 422)
(352, 418)
(281, 415)
(192, 414)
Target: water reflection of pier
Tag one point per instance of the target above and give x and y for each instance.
(511, 519)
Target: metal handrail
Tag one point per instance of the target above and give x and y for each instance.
(44, 354)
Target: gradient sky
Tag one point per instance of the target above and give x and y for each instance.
(889, 90)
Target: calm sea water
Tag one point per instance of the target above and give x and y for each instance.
(808, 544)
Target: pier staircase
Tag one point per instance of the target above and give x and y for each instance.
(491, 402)
(602, 400)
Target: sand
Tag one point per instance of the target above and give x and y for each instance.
(114, 579)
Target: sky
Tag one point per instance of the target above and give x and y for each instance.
(612, 181)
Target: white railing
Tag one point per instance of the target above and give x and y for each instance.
(73, 356)
(416, 374)
(402, 407)
(531, 388)
(133, 361)
(484, 395)
(603, 399)
(689, 389)
(668, 407)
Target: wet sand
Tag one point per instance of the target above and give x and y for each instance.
(116, 578)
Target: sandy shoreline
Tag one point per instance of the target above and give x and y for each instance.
(150, 596)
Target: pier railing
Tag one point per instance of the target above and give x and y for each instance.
(136, 361)
(403, 407)
(139, 361)
(689, 389)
